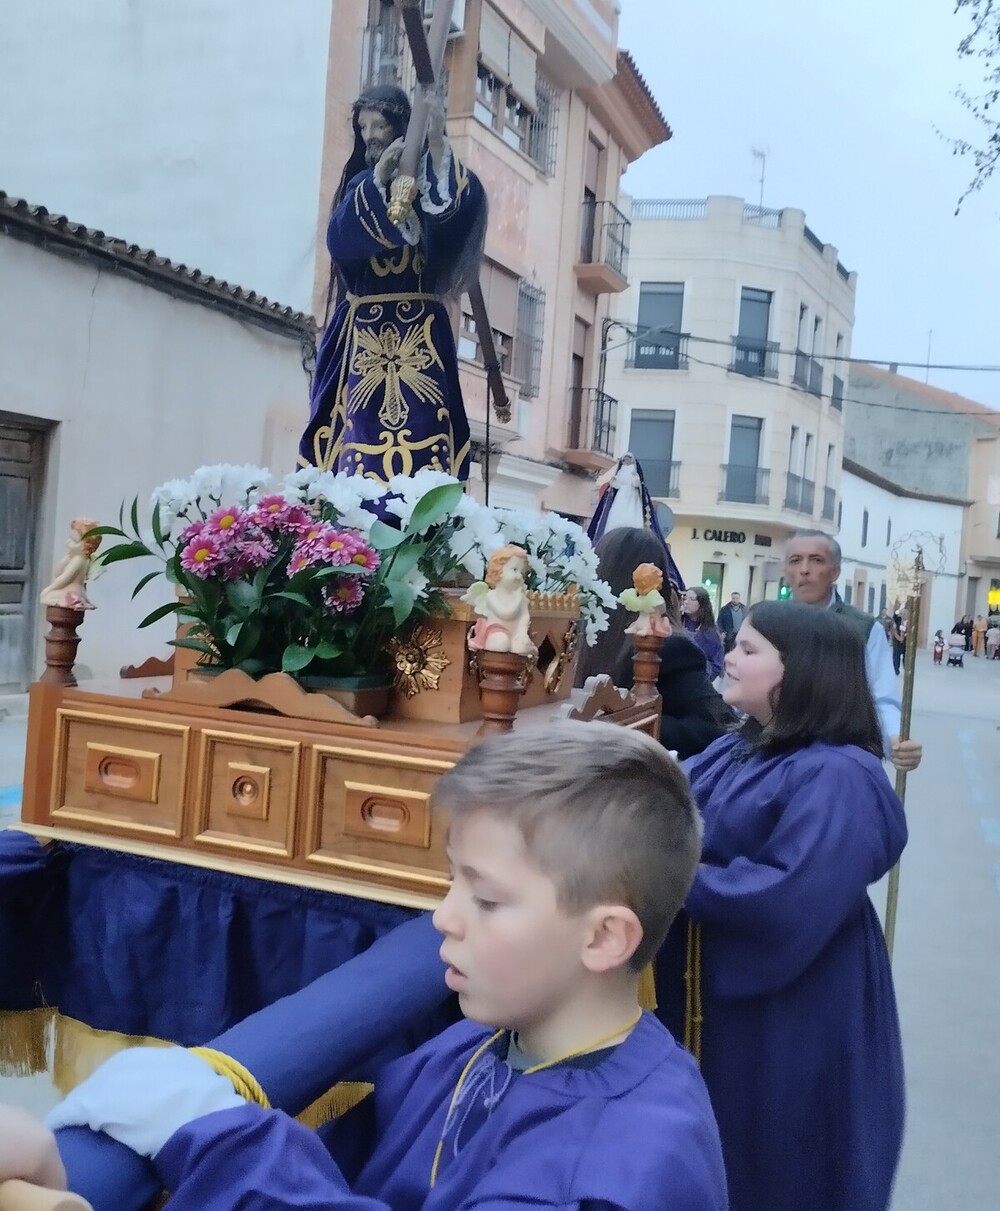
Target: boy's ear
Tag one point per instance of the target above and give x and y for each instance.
(613, 937)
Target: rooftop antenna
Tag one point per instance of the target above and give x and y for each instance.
(927, 376)
(760, 153)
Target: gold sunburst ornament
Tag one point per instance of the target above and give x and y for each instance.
(419, 660)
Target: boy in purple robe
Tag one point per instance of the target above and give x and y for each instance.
(800, 1045)
(386, 398)
(572, 847)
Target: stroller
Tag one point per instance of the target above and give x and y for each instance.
(956, 651)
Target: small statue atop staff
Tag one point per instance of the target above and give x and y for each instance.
(68, 587)
(646, 601)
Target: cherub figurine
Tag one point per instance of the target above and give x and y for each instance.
(69, 580)
(646, 601)
(501, 600)
(32, 1177)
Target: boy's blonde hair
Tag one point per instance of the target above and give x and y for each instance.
(603, 811)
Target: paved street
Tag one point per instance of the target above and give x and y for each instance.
(947, 955)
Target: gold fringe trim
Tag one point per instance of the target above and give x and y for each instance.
(647, 988)
(25, 1041)
(342, 1097)
(80, 1049)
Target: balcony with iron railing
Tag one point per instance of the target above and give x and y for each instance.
(837, 395)
(800, 494)
(815, 378)
(590, 428)
(754, 358)
(604, 240)
(745, 485)
(829, 503)
(658, 350)
(800, 375)
(662, 478)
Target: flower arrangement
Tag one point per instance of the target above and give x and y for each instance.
(315, 576)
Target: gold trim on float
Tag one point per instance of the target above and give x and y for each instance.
(291, 876)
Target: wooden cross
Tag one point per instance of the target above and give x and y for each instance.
(427, 52)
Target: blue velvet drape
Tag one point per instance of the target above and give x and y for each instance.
(148, 947)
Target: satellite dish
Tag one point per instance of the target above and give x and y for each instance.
(665, 516)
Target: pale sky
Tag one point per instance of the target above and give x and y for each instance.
(845, 98)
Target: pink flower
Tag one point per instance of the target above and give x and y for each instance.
(194, 530)
(274, 512)
(202, 555)
(302, 557)
(249, 555)
(344, 596)
(228, 520)
(366, 557)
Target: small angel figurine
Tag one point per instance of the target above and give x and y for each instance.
(501, 600)
(646, 601)
(69, 581)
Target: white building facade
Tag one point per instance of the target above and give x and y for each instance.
(723, 357)
(118, 373)
(881, 526)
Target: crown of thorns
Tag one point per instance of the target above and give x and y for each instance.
(394, 109)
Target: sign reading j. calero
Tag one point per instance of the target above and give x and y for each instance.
(721, 535)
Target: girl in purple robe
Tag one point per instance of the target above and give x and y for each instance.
(799, 1038)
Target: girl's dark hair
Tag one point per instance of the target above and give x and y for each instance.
(824, 693)
(705, 616)
(619, 553)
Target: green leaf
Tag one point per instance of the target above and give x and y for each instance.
(385, 538)
(242, 596)
(248, 640)
(234, 633)
(127, 550)
(113, 530)
(252, 666)
(435, 506)
(145, 581)
(406, 559)
(195, 645)
(157, 527)
(292, 596)
(403, 597)
(328, 651)
(296, 657)
(135, 515)
(160, 612)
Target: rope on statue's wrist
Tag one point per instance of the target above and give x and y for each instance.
(243, 1080)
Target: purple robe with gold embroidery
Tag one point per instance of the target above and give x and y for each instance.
(386, 398)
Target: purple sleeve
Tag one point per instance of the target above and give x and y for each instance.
(254, 1159)
(360, 227)
(840, 829)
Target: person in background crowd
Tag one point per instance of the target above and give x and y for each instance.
(731, 619)
(963, 627)
(939, 646)
(898, 637)
(993, 640)
(812, 568)
(979, 628)
(699, 622)
(693, 712)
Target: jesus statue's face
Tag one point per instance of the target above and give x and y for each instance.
(377, 133)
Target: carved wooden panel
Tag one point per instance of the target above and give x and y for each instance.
(126, 772)
(246, 788)
(368, 813)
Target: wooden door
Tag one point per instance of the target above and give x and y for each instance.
(20, 494)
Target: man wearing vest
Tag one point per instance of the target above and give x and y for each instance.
(812, 568)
